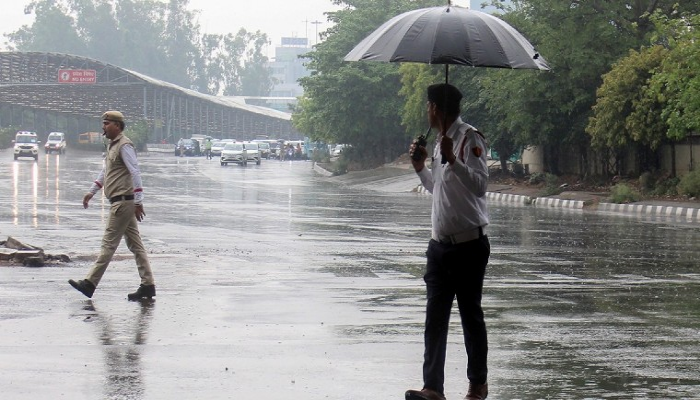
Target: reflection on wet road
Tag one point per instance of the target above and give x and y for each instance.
(276, 283)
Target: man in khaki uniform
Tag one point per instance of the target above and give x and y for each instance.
(121, 181)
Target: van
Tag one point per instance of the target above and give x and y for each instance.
(26, 144)
(55, 142)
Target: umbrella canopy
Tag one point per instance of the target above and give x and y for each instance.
(449, 35)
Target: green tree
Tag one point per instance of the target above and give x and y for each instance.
(355, 102)
(256, 76)
(580, 41)
(181, 39)
(651, 96)
(678, 80)
(54, 29)
(621, 114)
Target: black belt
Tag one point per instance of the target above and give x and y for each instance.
(121, 198)
(466, 236)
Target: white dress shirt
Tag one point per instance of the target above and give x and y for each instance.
(459, 189)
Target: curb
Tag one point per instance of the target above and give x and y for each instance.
(509, 198)
(321, 170)
(687, 213)
(561, 203)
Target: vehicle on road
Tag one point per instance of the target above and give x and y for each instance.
(234, 153)
(26, 144)
(187, 147)
(216, 147)
(264, 150)
(56, 142)
(269, 148)
(90, 138)
(253, 153)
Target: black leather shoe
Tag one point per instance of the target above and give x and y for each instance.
(424, 394)
(143, 291)
(84, 286)
(477, 391)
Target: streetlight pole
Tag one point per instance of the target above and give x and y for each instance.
(306, 27)
(317, 23)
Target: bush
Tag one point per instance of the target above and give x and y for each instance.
(138, 133)
(621, 194)
(646, 181)
(340, 166)
(321, 157)
(536, 178)
(690, 184)
(551, 185)
(666, 187)
(7, 135)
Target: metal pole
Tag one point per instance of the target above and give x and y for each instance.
(317, 22)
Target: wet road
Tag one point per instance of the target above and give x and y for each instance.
(274, 283)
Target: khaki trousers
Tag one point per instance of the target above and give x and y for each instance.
(121, 222)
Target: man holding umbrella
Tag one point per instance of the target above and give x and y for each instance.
(459, 249)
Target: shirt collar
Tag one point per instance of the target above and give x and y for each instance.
(116, 139)
(454, 127)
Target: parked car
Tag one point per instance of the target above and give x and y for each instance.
(56, 142)
(26, 144)
(338, 149)
(234, 153)
(252, 152)
(187, 147)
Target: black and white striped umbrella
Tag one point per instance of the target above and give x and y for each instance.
(449, 35)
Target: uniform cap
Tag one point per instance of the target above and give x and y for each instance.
(114, 116)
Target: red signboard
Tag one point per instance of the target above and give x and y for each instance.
(77, 76)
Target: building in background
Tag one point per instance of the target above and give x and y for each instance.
(287, 69)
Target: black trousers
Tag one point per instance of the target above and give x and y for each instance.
(455, 271)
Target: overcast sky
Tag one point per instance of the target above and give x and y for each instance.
(277, 18)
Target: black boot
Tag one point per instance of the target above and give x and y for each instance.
(84, 286)
(143, 291)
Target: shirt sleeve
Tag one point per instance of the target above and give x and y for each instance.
(426, 178)
(128, 155)
(470, 165)
(98, 183)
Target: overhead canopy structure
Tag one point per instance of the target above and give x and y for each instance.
(50, 91)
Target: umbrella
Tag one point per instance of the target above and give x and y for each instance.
(449, 35)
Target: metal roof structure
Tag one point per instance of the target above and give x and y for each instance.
(82, 88)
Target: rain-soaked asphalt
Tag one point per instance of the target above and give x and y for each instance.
(274, 283)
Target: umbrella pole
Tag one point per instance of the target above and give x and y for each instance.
(443, 160)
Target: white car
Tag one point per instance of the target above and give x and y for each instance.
(234, 153)
(338, 149)
(26, 144)
(216, 147)
(253, 153)
(55, 142)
